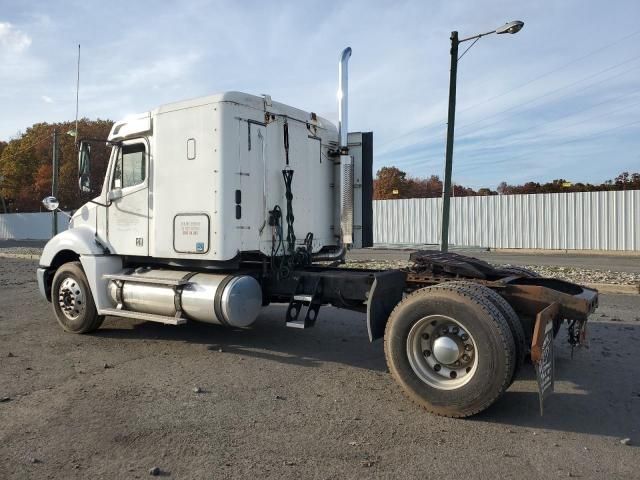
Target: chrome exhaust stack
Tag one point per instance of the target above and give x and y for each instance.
(343, 98)
(346, 162)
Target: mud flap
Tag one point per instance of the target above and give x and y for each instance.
(542, 354)
(385, 293)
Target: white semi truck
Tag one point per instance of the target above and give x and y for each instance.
(215, 207)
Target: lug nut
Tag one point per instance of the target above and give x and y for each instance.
(444, 330)
(453, 374)
(468, 347)
(455, 330)
(464, 337)
(425, 336)
(437, 367)
(466, 357)
(427, 353)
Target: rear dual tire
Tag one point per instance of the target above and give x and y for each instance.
(427, 337)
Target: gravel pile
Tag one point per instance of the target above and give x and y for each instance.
(585, 275)
(571, 274)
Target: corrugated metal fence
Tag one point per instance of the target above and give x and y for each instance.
(29, 226)
(580, 221)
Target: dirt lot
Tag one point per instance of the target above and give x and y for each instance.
(283, 403)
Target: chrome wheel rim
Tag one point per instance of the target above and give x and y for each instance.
(71, 298)
(442, 353)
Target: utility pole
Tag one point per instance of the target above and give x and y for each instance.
(54, 183)
(446, 189)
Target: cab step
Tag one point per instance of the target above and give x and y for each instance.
(132, 277)
(150, 317)
(303, 307)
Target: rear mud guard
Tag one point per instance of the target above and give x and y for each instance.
(385, 293)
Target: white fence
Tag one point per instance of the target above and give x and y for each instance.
(581, 221)
(563, 221)
(29, 226)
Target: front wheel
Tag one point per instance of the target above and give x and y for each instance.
(451, 350)
(72, 301)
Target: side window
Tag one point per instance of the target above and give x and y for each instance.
(131, 166)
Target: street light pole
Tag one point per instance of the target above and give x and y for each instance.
(446, 190)
(511, 27)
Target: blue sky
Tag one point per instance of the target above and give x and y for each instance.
(558, 100)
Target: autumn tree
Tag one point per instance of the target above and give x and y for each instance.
(26, 164)
(390, 182)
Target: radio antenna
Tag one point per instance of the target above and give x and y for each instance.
(77, 94)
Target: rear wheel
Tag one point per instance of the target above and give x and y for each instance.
(509, 314)
(450, 349)
(72, 300)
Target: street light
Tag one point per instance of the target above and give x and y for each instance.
(511, 27)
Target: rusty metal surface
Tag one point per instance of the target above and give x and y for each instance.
(527, 295)
(543, 317)
(531, 299)
(450, 263)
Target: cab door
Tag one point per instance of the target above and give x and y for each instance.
(128, 212)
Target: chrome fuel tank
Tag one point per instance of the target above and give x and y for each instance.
(232, 300)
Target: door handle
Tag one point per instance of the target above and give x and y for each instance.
(115, 194)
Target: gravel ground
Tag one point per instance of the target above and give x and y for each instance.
(21, 250)
(572, 274)
(200, 401)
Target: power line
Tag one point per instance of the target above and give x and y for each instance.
(541, 128)
(605, 114)
(572, 140)
(562, 67)
(443, 122)
(600, 72)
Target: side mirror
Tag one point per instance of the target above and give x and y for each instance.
(50, 203)
(84, 167)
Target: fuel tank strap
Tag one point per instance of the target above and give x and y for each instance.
(217, 302)
(177, 293)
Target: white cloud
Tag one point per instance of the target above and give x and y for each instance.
(12, 40)
(47, 99)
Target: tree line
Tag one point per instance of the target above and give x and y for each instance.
(26, 172)
(393, 183)
(26, 164)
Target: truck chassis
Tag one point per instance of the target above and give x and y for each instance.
(456, 329)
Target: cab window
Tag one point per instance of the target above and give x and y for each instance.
(131, 166)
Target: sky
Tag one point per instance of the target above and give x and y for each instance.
(560, 99)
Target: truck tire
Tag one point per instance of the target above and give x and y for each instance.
(450, 350)
(509, 314)
(72, 300)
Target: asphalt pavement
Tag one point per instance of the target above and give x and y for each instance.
(201, 401)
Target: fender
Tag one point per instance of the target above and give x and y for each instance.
(81, 244)
(80, 240)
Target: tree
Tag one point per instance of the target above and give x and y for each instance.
(389, 180)
(25, 164)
